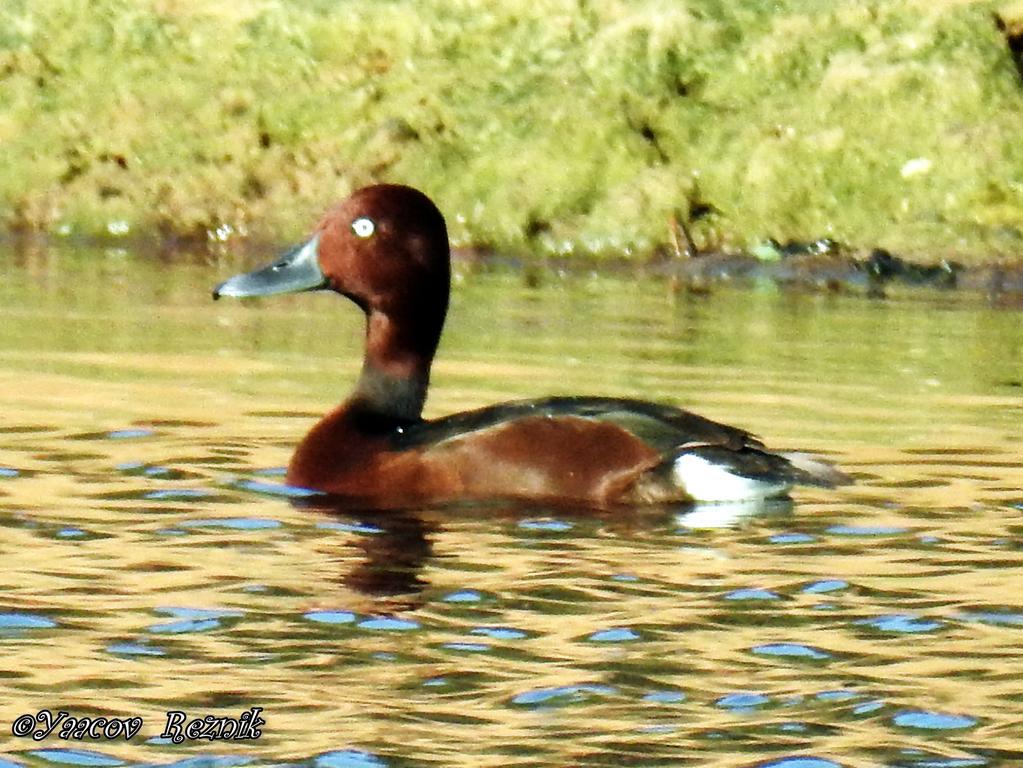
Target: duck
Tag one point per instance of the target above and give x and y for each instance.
(385, 248)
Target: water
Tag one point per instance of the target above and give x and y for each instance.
(149, 562)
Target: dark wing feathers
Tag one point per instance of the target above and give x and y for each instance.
(664, 428)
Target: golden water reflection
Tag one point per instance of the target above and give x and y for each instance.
(146, 563)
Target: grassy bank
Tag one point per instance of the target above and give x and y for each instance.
(564, 125)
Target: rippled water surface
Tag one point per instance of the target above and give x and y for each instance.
(149, 562)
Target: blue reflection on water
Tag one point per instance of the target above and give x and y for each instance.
(752, 593)
(271, 472)
(865, 530)
(333, 525)
(916, 760)
(792, 650)
(868, 707)
(791, 538)
(933, 721)
(181, 627)
(129, 434)
(348, 758)
(388, 624)
(563, 694)
(742, 701)
(177, 494)
(199, 613)
(901, 624)
(330, 617)
(275, 489)
(994, 617)
(799, 761)
(134, 649)
(614, 635)
(545, 524)
(665, 697)
(825, 585)
(25, 621)
(83, 757)
(499, 633)
(837, 695)
(469, 647)
(206, 761)
(463, 596)
(192, 619)
(233, 523)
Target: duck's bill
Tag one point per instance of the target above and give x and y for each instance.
(297, 270)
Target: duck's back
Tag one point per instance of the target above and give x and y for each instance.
(604, 451)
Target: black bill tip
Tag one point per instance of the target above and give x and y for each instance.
(297, 270)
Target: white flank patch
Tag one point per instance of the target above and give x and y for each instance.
(705, 481)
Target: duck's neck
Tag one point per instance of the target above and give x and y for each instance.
(394, 398)
(396, 370)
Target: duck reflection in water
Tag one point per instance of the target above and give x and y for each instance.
(388, 560)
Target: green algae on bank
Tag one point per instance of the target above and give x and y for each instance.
(556, 126)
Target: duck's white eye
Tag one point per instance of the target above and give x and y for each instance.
(363, 227)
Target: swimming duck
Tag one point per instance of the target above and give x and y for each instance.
(386, 248)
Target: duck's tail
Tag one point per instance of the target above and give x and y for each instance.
(816, 471)
(717, 474)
